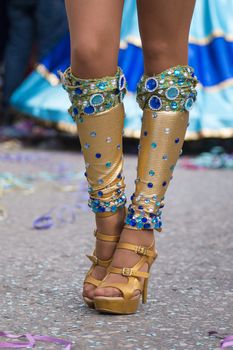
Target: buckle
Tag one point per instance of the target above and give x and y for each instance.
(141, 250)
(95, 260)
(126, 271)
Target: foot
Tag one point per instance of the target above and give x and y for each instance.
(111, 225)
(126, 258)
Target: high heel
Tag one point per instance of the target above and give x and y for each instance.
(97, 262)
(127, 303)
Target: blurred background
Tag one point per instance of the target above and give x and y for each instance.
(34, 46)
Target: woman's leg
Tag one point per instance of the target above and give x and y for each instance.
(164, 28)
(95, 36)
(92, 84)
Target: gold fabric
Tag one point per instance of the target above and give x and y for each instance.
(161, 141)
(99, 113)
(166, 100)
(102, 134)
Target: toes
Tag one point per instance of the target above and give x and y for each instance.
(107, 292)
(89, 291)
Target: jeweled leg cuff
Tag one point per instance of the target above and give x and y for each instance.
(99, 113)
(166, 99)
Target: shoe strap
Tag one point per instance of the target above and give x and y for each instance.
(128, 272)
(106, 238)
(92, 280)
(96, 261)
(145, 251)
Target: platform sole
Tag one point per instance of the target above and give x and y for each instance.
(118, 306)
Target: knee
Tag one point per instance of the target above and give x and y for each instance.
(162, 55)
(153, 51)
(86, 52)
(92, 57)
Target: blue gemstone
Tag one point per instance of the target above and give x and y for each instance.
(140, 207)
(144, 219)
(154, 145)
(113, 208)
(177, 72)
(181, 82)
(96, 100)
(145, 133)
(100, 193)
(133, 222)
(89, 110)
(164, 183)
(151, 84)
(78, 91)
(93, 134)
(119, 176)
(173, 105)
(150, 185)
(188, 104)
(146, 225)
(177, 140)
(102, 209)
(139, 225)
(101, 85)
(75, 111)
(172, 93)
(122, 82)
(155, 103)
(98, 155)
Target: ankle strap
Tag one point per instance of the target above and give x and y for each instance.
(99, 262)
(145, 251)
(128, 272)
(106, 238)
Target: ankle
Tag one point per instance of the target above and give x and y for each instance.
(111, 224)
(139, 237)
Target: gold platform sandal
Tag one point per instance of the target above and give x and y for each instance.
(128, 304)
(98, 262)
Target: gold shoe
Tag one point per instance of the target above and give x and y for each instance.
(98, 262)
(128, 304)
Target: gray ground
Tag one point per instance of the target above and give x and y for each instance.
(191, 289)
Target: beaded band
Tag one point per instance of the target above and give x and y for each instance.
(172, 90)
(91, 96)
(100, 202)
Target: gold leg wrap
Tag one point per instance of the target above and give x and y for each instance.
(101, 140)
(99, 112)
(164, 123)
